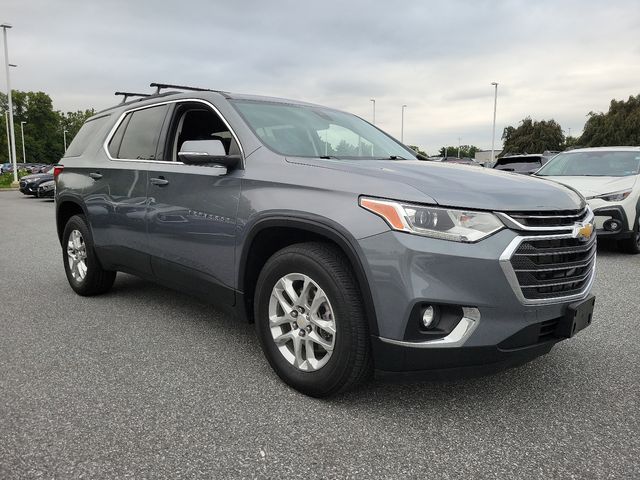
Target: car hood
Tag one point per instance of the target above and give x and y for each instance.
(455, 185)
(594, 186)
(34, 176)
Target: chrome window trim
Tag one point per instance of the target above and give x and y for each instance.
(507, 268)
(458, 336)
(105, 144)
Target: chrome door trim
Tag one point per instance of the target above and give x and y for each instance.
(105, 144)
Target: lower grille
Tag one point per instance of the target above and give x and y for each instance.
(553, 267)
(547, 330)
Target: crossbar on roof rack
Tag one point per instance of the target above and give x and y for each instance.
(126, 95)
(160, 86)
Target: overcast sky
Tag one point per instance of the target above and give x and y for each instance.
(552, 59)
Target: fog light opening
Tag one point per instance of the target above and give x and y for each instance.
(429, 317)
(612, 225)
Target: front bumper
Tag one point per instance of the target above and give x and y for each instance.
(405, 270)
(28, 189)
(617, 213)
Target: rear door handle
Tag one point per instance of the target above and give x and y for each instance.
(95, 175)
(160, 181)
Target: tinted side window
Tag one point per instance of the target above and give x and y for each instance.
(116, 139)
(140, 139)
(84, 136)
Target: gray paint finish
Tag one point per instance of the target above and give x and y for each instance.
(194, 230)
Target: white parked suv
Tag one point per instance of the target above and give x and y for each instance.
(608, 177)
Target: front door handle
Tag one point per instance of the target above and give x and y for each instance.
(160, 181)
(95, 175)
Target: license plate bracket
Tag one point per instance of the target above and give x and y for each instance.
(578, 317)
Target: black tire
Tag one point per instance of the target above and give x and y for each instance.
(350, 362)
(97, 280)
(631, 245)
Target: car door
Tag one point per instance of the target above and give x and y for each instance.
(116, 199)
(191, 210)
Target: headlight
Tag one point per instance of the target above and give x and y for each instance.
(443, 223)
(613, 196)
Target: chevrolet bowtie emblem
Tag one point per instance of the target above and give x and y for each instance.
(583, 231)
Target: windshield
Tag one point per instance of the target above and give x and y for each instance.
(593, 164)
(310, 131)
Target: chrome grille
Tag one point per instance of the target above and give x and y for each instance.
(549, 219)
(558, 267)
(551, 263)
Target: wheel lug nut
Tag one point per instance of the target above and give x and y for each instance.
(309, 328)
(301, 310)
(302, 333)
(294, 313)
(295, 325)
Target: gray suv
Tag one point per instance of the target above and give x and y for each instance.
(349, 254)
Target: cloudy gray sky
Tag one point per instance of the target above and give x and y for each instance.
(553, 59)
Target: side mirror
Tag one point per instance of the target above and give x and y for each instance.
(202, 152)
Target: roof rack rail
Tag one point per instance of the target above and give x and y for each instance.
(160, 86)
(126, 95)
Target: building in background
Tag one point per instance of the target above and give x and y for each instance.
(484, 157)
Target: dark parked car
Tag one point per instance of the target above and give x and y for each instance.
(524, 164)
(347, 252)
(29, 183)
(46, 189)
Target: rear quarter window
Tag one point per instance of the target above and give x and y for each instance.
(84, 136)
(137, 136)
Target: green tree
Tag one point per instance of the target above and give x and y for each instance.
(417, 149)
(533, 136)
(452, 151)
(72, 121)
(43, 129)
(619, 126)
(571, 142)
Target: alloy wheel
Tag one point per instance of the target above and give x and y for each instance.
(302, 322)
(77, 256)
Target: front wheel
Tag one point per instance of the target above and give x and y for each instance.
(632, 245)
(310, 319)
(84, 272)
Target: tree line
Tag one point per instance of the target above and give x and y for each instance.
(620, 125)
(43, 128)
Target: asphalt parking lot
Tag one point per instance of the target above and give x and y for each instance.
(146, 382)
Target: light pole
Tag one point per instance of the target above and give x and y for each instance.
(493, 135)
(6, 124)
(374, 110)
(569, 132)
(402, 125)
(24, 157)
(64, 136)
(459, 140)
(5, 27)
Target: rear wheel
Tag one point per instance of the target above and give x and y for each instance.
(310, 319)
(84, 272)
